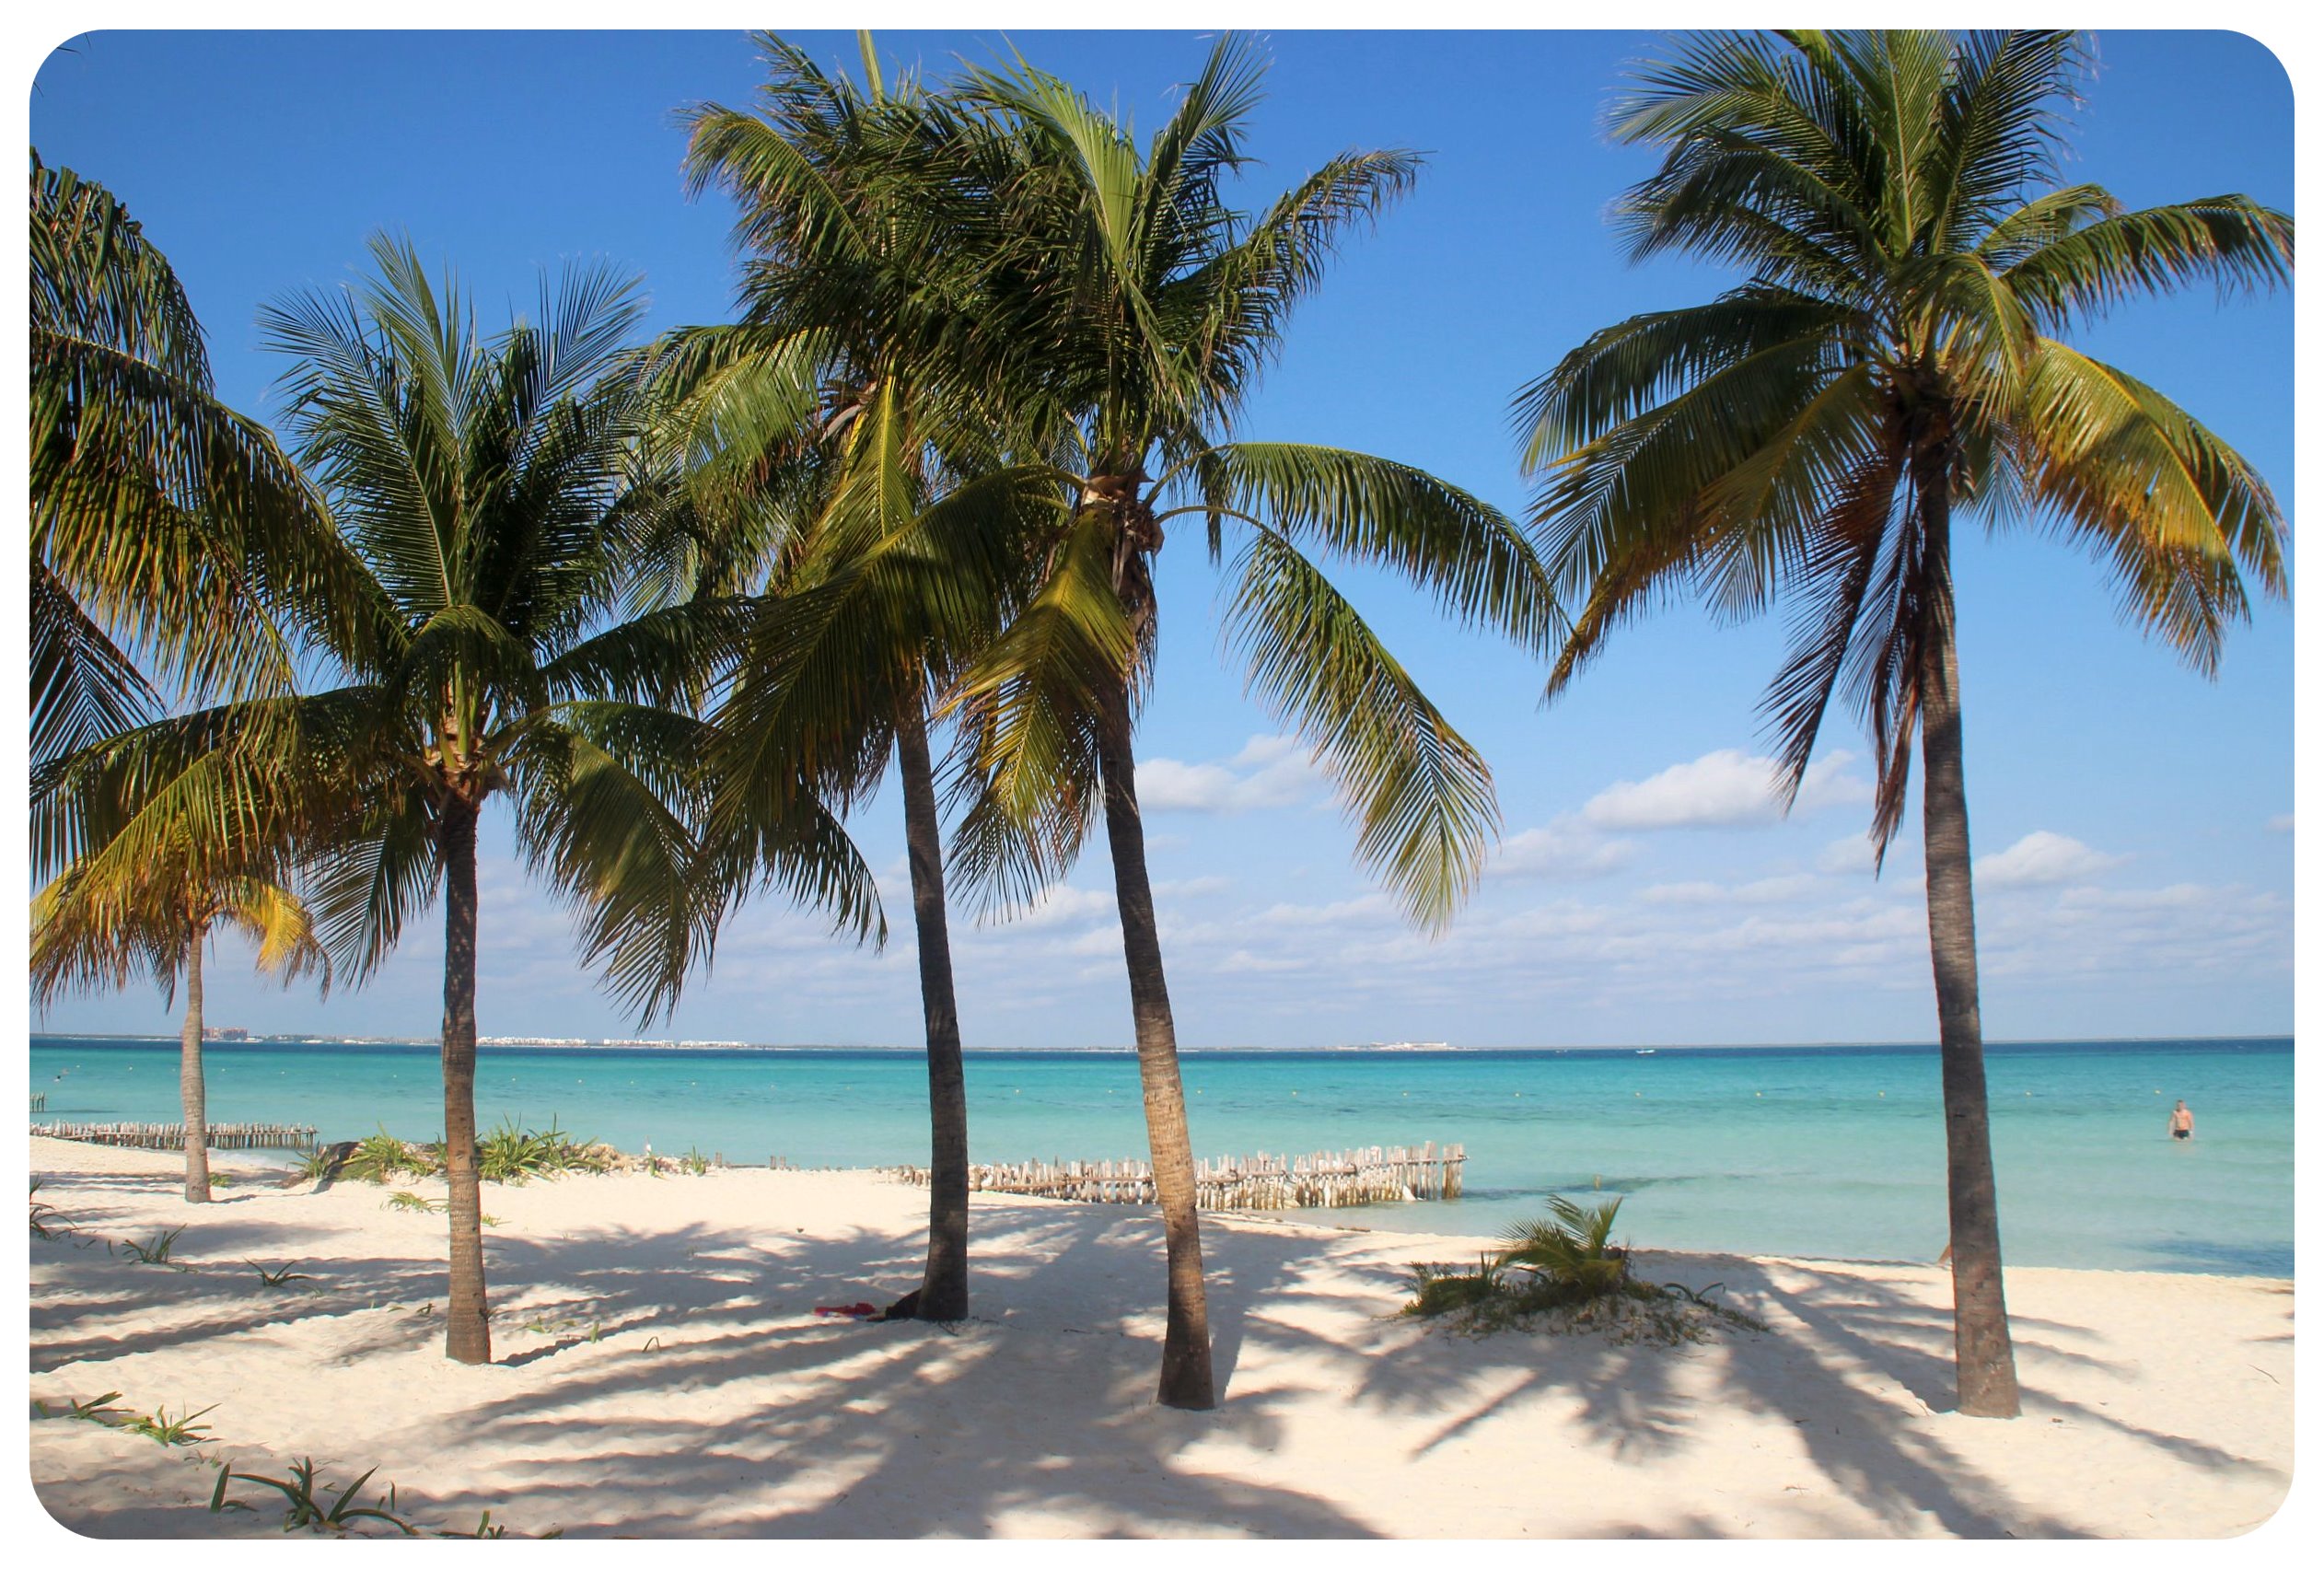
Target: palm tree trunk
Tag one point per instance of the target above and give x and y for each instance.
(191, 1090)
(1186, 1340)
(944, 1284)
(466, 1337)
(1985, 1368)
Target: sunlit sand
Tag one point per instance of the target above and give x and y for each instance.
(660, 1371)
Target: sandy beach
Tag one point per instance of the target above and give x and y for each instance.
(661, 1372)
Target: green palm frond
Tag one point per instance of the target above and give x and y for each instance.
(1030, 701)
(1479, 564)
(1421, 797)
(171, 531)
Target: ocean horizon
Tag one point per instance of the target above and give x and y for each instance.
(1828, 1151)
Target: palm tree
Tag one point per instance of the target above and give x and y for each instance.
(1889, 360)
(165, 843)
(166, 529)
(495, 491)
(826, 408)
(1137, 308)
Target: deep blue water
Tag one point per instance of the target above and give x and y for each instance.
(1829, 1152)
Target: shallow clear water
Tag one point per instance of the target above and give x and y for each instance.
(1825, 1152)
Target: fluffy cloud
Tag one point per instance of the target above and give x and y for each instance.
(1565, 849)
(1722, 789)
(1270, 771)
(2041, 858)
(1783, 889)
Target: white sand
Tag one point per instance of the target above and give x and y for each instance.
(712, 1402)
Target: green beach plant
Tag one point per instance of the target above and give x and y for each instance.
(158, 1251)
(418, 1203)
(1571, 1255)
(272, 1280)
(167, 1430)
(305, 1499)
(1565, 1274)
(513, 1155)
(1893, 363)
(47, 1220)
(98, 1409)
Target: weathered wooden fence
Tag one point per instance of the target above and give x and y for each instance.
(172, 1135)
(1323, 1180)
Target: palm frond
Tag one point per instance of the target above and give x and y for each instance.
(1420, 796)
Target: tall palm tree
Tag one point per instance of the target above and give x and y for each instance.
(1137, 308)
(1891, 359)
(827, 406)
(167, 530)
(163, 840)
(495, 490)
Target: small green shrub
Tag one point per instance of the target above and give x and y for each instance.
(158, 1251)
(99, 1409)
(46, 1222)
(383, 1158)
(163, 1428)
(274, 1279)
(694, 1163)
(306, 1502)
(513, 1155)
(1571, 1256)
(1565, 1274)
(417, 1202)
(1444, 1288)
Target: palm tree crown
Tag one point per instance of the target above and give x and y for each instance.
(1909, 259)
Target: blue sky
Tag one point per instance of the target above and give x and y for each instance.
(2133, 820)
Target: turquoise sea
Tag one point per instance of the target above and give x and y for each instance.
(1825, 1152)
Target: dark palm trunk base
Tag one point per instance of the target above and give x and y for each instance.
(943, 1285)
(467, 1335)
(1186, 1341)
(191, 1090)
(1985, 1365)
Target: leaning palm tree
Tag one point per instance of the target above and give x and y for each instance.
(495, 490)
(167, 839)
(1891, 360)
(170, 537)
(1135, 308)
(852, 494)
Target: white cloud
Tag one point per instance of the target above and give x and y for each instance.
(1188, 888)
(1846, 857)
(1270, 771)
(1564, 849)
(1763, 891)
(1066, 906)
(1721, 789)
(2041, 858)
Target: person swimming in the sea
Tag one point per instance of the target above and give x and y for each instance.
(2182, 1121)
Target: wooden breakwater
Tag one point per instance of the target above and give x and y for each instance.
(1379, 1174)
(172, 1135)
